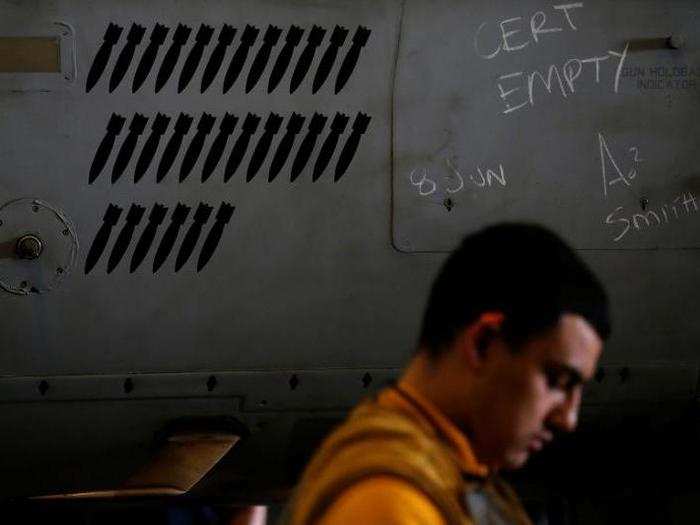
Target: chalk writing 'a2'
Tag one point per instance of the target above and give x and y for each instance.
(606, 154)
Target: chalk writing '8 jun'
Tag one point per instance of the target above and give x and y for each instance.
(455, 181)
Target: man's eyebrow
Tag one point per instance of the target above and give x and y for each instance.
(575, 377)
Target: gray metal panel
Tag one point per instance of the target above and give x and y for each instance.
(306, 276)
(573, 126)
(306, 281)
(299, 275)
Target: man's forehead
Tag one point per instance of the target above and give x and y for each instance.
(573, 344)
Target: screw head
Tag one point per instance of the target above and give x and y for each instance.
(676, 41)
(29, 247)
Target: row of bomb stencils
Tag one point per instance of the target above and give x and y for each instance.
(156, 217)
(227, 34)
(228, 123)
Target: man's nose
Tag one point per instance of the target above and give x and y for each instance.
(565, 415)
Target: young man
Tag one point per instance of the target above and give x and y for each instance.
(514, 327)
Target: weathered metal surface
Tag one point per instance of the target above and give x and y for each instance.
(322, 269)
(582, 116)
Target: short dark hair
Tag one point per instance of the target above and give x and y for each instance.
(523, 270)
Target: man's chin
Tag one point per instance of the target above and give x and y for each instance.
(516, 460)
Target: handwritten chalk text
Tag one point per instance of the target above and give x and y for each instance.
(455, 180)
(607, 161)
(521, 89)
(505, 36)
(682, 206)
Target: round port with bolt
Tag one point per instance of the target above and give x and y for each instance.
(42, 246)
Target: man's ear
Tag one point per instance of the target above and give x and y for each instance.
(475, 339)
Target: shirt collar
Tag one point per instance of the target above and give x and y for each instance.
(407, 399)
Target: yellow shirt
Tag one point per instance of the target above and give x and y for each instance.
(387, 500)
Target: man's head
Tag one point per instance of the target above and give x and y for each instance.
(514, 326)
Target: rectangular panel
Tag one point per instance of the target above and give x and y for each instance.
(580, 116)
(220, 290)
(29, 55)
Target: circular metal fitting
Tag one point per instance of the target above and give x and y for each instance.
(29, 247)
(38, 247)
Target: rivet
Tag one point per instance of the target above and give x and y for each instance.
(43, 387)
(128, 385)
(293, 382)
